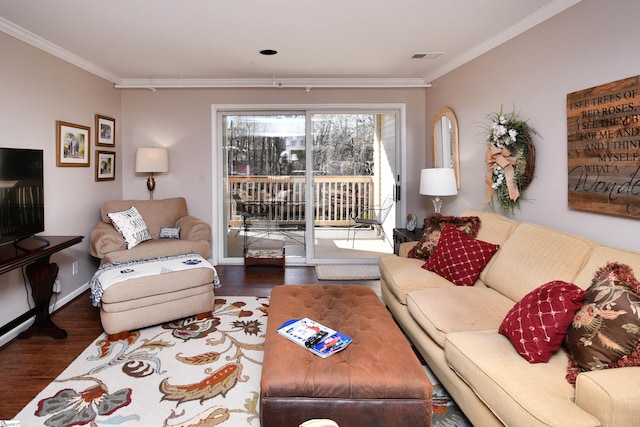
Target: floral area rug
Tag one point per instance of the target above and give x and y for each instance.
(195, 371)
(191, 372)
(446, 412)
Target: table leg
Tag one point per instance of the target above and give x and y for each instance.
(42, 275)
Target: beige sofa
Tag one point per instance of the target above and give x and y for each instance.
(107, 244)
(456, 330)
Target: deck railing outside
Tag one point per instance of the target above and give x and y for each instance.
(283, 198)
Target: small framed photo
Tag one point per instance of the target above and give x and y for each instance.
(72, 144)
(105, 165)
(412, 222)
(105, 131)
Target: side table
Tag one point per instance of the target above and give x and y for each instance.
(402, 235)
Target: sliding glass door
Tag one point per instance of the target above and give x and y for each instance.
(300, 181)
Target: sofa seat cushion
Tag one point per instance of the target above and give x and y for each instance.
(518, 393)
(441, 311)
(404, 275)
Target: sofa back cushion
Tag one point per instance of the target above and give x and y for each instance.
(494, 228)
(533, 255)
(155, 213)
(599, 257)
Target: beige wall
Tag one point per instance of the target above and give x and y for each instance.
(181, 120)
(37, 89)
(590, 44)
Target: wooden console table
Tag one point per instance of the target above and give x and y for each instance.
(42, 274)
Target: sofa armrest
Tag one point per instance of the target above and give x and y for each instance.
(610, 395)
(405, 248)
(104, 239)
(194, 229)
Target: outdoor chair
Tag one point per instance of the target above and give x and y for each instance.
(371, 217)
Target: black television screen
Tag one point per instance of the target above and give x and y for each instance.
(21, 194)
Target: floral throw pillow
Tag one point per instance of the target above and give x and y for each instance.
(433, 227)
(458, 257)
(605, 332)
(538, 323)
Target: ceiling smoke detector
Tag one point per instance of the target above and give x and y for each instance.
(427, 55)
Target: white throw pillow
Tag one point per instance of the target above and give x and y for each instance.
(169, 232)
(131, 226)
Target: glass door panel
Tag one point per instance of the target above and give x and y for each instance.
(264, 183)
(353, 182)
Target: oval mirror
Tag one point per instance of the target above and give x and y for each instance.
(445, 141)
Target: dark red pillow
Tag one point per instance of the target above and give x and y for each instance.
(605, 331)
(459, 258)
(433, 227)
(538, 323)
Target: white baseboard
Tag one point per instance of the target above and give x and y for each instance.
(52, 308)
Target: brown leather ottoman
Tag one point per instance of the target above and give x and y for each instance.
(376, 381)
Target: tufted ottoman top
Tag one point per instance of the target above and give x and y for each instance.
(377, 375)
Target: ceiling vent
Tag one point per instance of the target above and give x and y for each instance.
(427, 55)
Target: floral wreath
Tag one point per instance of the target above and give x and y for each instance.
(511, 159)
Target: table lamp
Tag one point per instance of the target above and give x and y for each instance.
(152, 160)
(438, 182)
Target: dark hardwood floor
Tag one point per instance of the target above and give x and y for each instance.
(28, 366)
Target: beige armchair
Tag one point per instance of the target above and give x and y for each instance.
(107, 244)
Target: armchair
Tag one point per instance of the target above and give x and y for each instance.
(108, 245)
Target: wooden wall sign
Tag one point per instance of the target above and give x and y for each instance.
(603, 141)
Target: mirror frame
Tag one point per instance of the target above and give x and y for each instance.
(448, 113)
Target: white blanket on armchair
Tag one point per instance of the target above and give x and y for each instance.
(110, 274)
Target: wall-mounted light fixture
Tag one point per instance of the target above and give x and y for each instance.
(152, 160)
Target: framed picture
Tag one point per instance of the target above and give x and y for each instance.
(412, 221)
(105, 165)
(105, 131)
(72, 144)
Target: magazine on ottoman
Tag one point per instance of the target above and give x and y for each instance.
(313, 336)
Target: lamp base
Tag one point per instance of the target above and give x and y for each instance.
(151, 185)
(437, 204)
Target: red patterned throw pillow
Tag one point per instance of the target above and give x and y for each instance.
(433, 227)
(538, 323)
(605, 332)
(458, 257)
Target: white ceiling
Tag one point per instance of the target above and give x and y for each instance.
(172, 43)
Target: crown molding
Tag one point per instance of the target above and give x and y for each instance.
(307, 83)
(37, 41)
(545, 12)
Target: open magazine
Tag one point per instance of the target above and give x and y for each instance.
(313, 336)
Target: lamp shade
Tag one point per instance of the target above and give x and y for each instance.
(438, 182)
(152, 160)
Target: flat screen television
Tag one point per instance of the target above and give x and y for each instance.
(21, 194)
